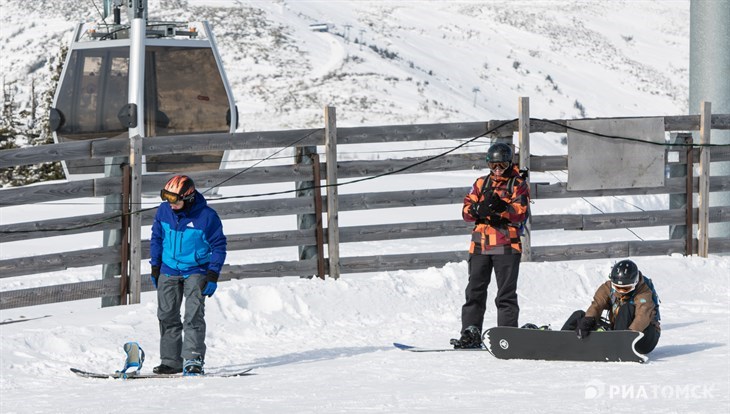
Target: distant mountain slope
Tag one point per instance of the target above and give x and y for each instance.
(406, 62)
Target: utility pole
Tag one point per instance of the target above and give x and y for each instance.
(476, 91)
(347, 33)
(138, 15)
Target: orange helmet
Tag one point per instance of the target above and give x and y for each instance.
(179, 187)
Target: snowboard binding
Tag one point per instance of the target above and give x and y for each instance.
(470, 338)
(135, 359)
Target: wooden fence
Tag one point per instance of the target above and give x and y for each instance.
(326, 200)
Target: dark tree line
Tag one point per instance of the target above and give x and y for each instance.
(25, 124)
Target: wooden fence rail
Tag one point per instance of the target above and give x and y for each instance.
(244, 207)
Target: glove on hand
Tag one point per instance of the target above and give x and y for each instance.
(479, 210)
(497, 221)
(496, 204)
(155, 275)
(585, 325)
(211, 283)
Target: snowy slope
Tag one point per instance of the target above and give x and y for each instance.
(324, 347)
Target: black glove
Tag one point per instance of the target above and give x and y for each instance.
(479, 211)
(211, 283)
(496, 220)
(496, 204)
(155, 275)
(585, 326)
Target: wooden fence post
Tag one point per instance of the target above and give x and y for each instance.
(333, 231)
(689, 184)
(135, 226)
(703, 220)
(124, 271)
(682, 201)
(306, 189)
(113, 167)
(319, 231)
(524, 141)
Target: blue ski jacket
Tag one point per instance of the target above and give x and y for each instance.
(187, 241)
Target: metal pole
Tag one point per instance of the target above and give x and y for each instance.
(136, 132)
(709, 80)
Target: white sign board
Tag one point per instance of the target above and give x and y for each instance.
(596, 162)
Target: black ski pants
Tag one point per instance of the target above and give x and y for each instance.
(506, 269)
(622, 322)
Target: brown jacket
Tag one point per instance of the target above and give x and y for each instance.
(504, 238)
(645, 314)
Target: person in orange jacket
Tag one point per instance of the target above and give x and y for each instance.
(498, 205)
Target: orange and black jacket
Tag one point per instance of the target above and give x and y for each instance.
(502, 237)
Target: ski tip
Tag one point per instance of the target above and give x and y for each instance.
(402, 346)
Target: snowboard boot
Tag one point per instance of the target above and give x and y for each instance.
(470, 338)
(166, 370)
(193, 367)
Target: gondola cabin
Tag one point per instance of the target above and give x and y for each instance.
(185, 92)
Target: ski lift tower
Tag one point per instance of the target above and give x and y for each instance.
(140, 79)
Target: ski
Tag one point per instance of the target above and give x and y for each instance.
(410, 348)
(117, 375)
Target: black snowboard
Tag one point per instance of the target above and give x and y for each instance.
(520, 343)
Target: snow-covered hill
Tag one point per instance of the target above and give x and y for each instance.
(388, 62)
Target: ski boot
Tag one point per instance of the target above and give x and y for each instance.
(470, 338)
(193, 367)
(166, 370)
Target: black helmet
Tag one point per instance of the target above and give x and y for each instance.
(499, 152)
(624, 273)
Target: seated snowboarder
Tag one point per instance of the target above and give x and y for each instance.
(631, 302)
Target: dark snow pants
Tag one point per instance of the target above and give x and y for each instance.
(181, 340)
(621, 323)
(506, 269)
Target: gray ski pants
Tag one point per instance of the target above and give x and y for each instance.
(181, 340)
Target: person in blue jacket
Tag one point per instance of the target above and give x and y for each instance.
(187, 251)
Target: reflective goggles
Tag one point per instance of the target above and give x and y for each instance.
(498, 165)
(623, 288)
(173, 198)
